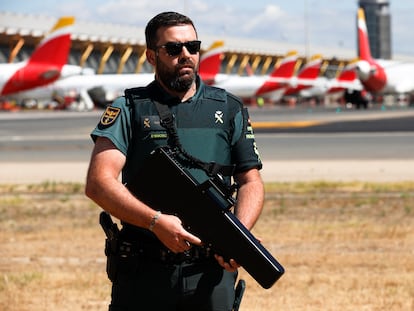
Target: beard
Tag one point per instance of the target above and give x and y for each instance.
(173, 79)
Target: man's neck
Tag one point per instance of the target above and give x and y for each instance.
(183, 96)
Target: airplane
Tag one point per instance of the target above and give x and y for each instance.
(46, 64)
(259, 85)
(380, 76)
(346, 79)
(87, 90)
(306, 76)
(304, 79)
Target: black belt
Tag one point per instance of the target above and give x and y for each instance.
(156, 252)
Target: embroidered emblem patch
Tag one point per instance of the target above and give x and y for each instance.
(219, 116)
(110, 115)
(147, 123)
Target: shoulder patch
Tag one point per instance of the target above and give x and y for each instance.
(110, 115)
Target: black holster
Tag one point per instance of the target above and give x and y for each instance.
(122, 256)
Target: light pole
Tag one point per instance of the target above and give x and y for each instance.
(306, 18)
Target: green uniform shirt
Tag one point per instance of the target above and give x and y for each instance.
(212, 126)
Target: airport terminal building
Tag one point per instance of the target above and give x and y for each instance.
(113, 48)
(120, 49)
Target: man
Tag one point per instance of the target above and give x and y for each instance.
(212, 125)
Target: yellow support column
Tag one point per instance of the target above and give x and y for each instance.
(141, 61)
(243, 64)
(16, 49)
(231, 62)
(88, 50)
(266, 64)
(105, 58)
(127, 53)
(256, 63)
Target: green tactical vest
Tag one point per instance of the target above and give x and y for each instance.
(206, 126)
(212, 126)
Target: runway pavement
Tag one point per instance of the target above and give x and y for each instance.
(286, 170)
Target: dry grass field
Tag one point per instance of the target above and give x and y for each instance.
(345, 246)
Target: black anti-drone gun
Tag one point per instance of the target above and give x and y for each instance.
(205, 211)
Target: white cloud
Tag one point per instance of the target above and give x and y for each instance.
(270, 14)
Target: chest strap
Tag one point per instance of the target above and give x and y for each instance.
(167, 121)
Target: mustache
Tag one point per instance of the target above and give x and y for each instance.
(185, 63)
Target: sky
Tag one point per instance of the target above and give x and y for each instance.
(327, 23)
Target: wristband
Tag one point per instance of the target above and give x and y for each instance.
(154, 220)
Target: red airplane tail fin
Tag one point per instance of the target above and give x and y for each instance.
(210, 62)
(364, 51)
(370, 72)
(287, 67)
(347, 78)
(54, 48)
(279, 77)
(45, 64)
(311, 69)
(308, 73)
(349, 72)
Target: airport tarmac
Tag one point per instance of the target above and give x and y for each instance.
(33, 166)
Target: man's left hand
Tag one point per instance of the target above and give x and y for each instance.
(230, 265)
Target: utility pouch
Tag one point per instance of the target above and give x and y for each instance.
(124, 261)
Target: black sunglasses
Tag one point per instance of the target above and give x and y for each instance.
(175, 48)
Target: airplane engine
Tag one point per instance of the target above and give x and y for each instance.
(363, 70)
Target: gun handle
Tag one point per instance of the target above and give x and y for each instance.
(110, 228)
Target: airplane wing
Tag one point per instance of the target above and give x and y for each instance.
(44, 65)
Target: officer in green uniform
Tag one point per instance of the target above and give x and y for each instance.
(156, 263)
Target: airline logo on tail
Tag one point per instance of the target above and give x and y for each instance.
(210, 62)
(281, 75)
(371, 74)
(44, 65)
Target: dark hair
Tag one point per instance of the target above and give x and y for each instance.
(164, 19)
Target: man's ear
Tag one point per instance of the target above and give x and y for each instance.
(150, 56)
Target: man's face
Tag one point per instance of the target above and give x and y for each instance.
(176, 72)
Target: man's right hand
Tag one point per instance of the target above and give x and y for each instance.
(171, 233)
